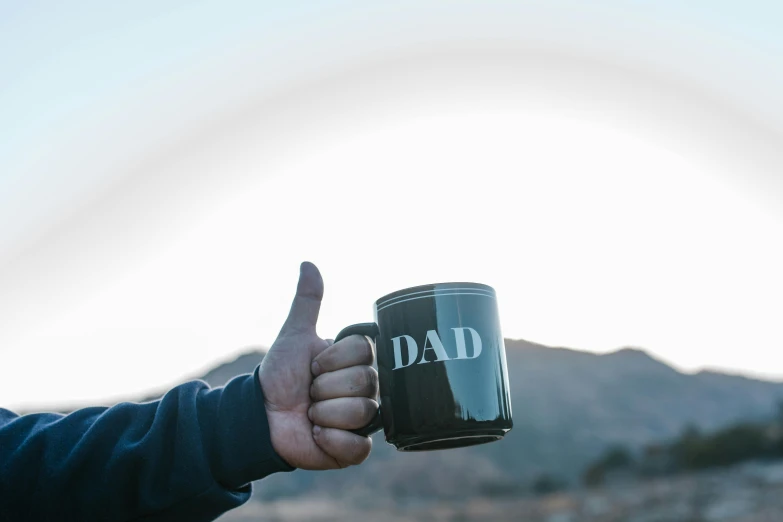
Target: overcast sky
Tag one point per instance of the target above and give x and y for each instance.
(614, 172)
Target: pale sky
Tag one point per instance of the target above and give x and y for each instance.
(613, 195)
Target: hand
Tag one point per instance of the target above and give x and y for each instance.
(315, 390)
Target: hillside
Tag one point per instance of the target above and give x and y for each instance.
(568, 406)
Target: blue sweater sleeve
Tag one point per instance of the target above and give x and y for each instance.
(189, 456)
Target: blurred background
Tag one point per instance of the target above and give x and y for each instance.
(614, 169)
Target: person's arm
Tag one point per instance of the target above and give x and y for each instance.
(189, 456)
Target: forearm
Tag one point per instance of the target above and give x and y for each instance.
(189, 456)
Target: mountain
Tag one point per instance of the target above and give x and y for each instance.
(245, 363)
(568, 407)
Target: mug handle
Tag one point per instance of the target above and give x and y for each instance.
(368, 330)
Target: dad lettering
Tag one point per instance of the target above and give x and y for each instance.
(432, 342)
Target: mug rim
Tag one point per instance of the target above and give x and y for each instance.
(451, 285)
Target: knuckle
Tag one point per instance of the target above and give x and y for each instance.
(368, 410)
(360, 449)
(369, 355)
(361, 380)
(362, 348)
(371, 381)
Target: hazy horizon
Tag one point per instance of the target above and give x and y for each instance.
(249, 350)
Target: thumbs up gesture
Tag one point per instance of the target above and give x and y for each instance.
(315, 390)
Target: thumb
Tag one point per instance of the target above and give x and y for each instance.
(307, 302)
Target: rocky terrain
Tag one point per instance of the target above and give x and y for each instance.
(751, 492)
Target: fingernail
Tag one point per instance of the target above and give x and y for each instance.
(310, 413)
(315, 368)
(316, 430)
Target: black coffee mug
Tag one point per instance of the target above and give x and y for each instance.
(441, 367)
